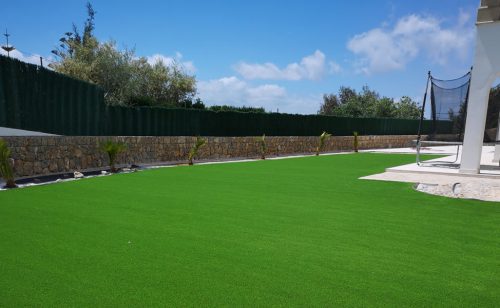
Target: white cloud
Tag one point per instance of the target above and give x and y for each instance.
(188, 65)
(265, 93)
(237, 92)
(232, 90)
(33, 59)
(385, 49)
(334, 67)
(312, 67)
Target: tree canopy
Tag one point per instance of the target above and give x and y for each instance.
(367, 104)
(493, 107)
(126, 79)
(238, 109)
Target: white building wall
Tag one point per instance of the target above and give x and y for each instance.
(486, 70)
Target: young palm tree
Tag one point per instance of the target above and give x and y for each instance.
(194, 150)
(356, 144)
(113, 149)
(262, 145)
(321, 144)
(6, 170)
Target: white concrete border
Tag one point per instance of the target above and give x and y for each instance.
(11, 132)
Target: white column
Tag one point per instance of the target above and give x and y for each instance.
(486, 68)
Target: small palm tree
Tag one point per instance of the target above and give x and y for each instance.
(321, 144)
(355, 142)
(113, 149)
(262, 145)
(6, 164)
(194, 150)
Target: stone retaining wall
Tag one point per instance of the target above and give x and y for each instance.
(44, 155)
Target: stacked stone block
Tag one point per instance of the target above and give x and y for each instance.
(35, 156)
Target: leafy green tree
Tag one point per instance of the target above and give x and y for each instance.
(384, 108)
(198, 104)
(346, 94)
(352, 108)
(238, 109)
(407, 108)
(493, 108)
(458, 119)
(368, 104)
(368, 98)
(126, 79)
(330, 103)
(194, 104)
(348, 103)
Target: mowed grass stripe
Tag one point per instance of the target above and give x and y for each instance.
(302, 231)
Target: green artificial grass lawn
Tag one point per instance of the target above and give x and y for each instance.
(300, 232)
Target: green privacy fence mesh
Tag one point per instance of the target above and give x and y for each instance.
(35, 98)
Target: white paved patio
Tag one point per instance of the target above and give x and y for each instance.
(441, 175)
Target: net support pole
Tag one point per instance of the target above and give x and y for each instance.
(419, 135)
(423, 106)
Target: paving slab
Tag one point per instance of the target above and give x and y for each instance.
(441, 176)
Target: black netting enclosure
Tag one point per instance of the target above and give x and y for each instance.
(447, 112)
(447, 104)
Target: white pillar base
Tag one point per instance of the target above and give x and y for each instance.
(469, 171)
(486, 69)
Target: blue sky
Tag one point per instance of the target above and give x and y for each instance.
(277, 54)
